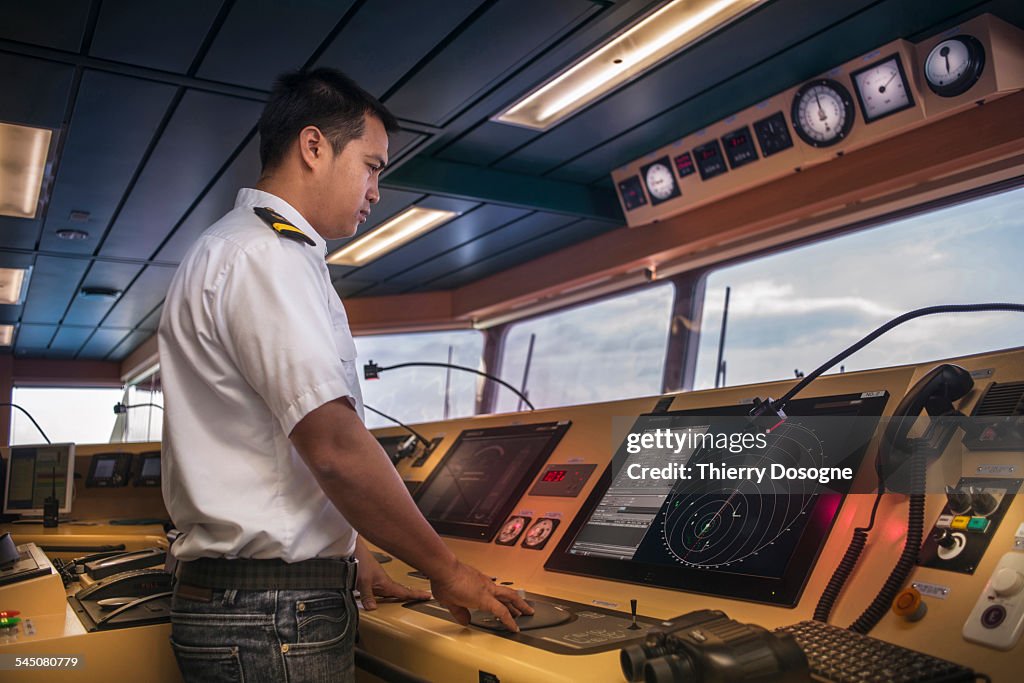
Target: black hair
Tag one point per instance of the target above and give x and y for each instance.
(325, 98)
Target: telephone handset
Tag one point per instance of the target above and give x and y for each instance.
(934, 394)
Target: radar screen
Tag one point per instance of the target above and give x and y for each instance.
(722, 522)
(471, 493)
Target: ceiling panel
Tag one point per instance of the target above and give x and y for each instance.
(506, 35)
(159, 35)
(69, 339)
(448, 236)
(42, 91)
(107, 274)
(54, 284)
(530, 227)
(857, 34)
(487, 143)
(50, 23)
(145, 294)
(33, 339)
(128, 344)
(152, 321)
(114, 122)
(102, 342)
(750, 40)
(204, 131)
(526, 251)
(294, 29)
(406, 29)
(244, 171)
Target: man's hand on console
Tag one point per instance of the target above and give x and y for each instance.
(373, 582)
(464, 589)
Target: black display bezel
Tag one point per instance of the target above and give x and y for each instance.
(705, 174)
(122, 466)
(784, 591)
(733, 163)
(958, 87)
(634, 185)
(486, 532)
(142, 459)
(906, 88)
(844, 97)
(667, 163)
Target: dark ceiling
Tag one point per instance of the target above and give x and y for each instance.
(155, 105)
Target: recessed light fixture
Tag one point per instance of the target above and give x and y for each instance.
(12, 285)
(6, 335)
(656, 37)
(22, 164)
(99, 293)
(72, 235)
(390, 235)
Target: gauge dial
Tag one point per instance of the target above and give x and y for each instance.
(661, 183)
(538, 535)
(954, 65)
(509, 533)
(882, 89)
(822, 113)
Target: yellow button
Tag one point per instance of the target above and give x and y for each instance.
(960, 522)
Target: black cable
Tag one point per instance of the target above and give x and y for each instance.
(15, 405)
(920, 312)
(403, 426)
(122, 408)
(911, 546)
(371, 367)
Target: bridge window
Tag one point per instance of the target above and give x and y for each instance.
(418, 394)
(610, 349)
(790, 311)
(81, 415)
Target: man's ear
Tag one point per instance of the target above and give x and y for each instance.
(313, 146)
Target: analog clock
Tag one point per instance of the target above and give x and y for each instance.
(661, 183)
(822, 112)
(954, 65)
(882, 88)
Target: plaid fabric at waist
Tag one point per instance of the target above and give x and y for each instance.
(243, 574)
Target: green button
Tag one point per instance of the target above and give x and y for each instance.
(978, 524)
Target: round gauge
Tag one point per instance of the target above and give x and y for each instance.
(510, 532)
(882, 89)
(660, 181)
(539, 533)
(822, 113)
(954, 65)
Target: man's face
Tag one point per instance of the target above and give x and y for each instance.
(349, 181)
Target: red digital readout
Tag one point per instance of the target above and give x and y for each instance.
(555, 475)
(738, 141)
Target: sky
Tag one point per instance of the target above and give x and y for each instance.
(788, 311)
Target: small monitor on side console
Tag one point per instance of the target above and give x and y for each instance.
(37, 472)
(471, 492)
(733, 536)
(109, 470)
(149, 469)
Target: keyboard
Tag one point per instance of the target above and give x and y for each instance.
(839, 655)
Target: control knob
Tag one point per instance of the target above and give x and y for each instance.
(1007, 581)
(959, 500)
(983, 502)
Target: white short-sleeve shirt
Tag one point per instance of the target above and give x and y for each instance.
(252, 338)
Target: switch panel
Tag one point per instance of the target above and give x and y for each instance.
(997, 619)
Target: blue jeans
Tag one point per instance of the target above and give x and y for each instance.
(265, 636)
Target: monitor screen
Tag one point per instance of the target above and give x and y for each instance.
(148, 472)
(741, 535)
(482, 476)
(37, 472)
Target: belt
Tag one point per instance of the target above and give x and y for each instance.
(244, 574)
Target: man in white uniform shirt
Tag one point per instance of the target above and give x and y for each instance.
(268, 469)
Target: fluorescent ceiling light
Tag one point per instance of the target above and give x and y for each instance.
(6, 335)
(390, 235)
(22, 164)
(12, 281)
(658, 36)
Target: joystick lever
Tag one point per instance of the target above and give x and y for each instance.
(632, 609)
